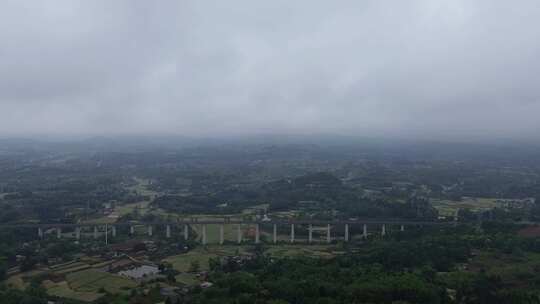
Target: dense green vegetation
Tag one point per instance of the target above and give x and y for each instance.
(409, 268)
(488, 258)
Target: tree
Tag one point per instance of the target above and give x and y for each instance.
(3, 269)
(194, 266)
(214, 263)
(28, 264)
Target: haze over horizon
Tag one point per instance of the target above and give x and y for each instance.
(444, 70)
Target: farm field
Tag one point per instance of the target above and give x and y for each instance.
(318, 251)
(20, 281)
(93, 281)
(256, 209)
(72, 269)
(201, 255)
(16, 281)
(449, 208)
(189, 279)
(63, 290)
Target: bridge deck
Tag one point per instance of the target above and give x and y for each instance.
(235, 222)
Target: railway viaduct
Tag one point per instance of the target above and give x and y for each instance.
(183, 227)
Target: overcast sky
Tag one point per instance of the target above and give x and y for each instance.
(419, 69)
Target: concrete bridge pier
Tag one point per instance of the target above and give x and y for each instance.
(95, 232)
(383, 230)
(257, 236)
(346, 232)
(149, 230)
(292, 233)
(168, 231)
(58, 233)
(275, 234)
(186, 232)
(204, 234)
(113, 231)
(78, 233)
(239, 233)
(40, 233)
(364, 231)
(310, 236)
(221, 234)
(328, 236)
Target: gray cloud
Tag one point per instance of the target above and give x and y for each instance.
(453, 69)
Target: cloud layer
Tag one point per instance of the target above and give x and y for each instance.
(436, 69)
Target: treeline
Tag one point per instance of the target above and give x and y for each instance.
(408, 268)
(59, 198)
(325, 190)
